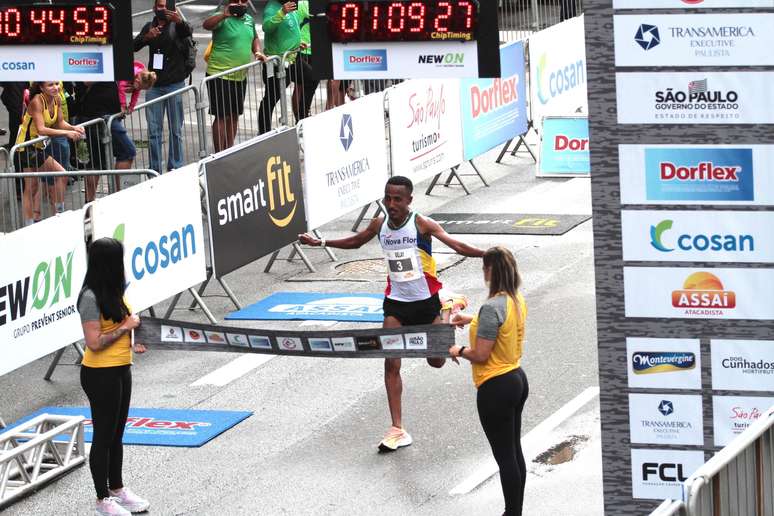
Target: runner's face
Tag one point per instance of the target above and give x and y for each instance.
(397, 201)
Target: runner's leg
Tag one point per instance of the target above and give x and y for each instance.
(392, 380)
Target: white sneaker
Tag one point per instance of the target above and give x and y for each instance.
(394, 439)
(109, 507)
(130, 501)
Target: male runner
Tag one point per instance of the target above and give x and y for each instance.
(411, 296)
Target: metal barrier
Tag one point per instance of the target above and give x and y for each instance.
(670, 508)
(520, 18)
(30, 457)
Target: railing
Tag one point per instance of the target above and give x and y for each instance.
(520, 18)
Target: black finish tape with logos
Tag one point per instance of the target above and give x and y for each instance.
(429, 340)
(508, 223)
(255, 201)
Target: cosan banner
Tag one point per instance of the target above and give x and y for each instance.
(255, 200)
(160, 225)
(345, 159)
(557, 68)
(425, 128)
(42, 274)
(564, 148)
(495, 110)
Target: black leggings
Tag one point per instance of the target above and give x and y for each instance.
(109, 390)
(500, 401)
(300, 73)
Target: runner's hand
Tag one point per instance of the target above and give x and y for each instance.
(308, 239)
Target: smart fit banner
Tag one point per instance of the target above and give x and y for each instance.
(42, 274)
(255, 200)
(160, 225)
(345, 159)
(431, 340)
(564, 147)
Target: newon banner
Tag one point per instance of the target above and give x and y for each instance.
(41, 277)
(425, 128)
(345, 159)
(255, 200)
(160, 225)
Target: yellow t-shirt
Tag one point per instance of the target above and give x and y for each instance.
(507, 350)
(118, 353)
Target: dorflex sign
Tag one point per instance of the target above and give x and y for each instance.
(164, 246)
(564, 147)
(425, 129)
(688, 4)
(255, 200)
(345, 159)
(695, 98)
(706, 174)
(557, 67)
(729, 39)
(659, 474)
(663, 363)
(742, 365)
(698, 236)
(732, 415)
(699, 293)
(495, 110)
(41, 277)
(666, 419)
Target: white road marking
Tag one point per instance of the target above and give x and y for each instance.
(531, 444)
(233, 370)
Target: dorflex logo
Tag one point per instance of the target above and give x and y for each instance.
(501, 93)
(553, 81)
(346, 133)
(703, 294)
(82, 62)
(655, 362)
(700, 174)
(697, 242)
(160, 252)
(158, 424)
(366, 60)
(562, 142)
(449, 60)
(647, 36)
(665, 407)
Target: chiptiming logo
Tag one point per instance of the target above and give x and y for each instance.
(654, 362)
(703, 294)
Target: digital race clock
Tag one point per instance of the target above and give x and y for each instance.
(402, 20)
(47, 24)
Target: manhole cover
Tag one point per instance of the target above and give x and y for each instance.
(371, 266)
(562, 452)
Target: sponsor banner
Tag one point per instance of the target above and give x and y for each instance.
(164, 246)
(707, 174)
(425, 129)
(663, 363)
(508, 223)
(495, 110)
(564, 147)
(345, 159)
(695, 98)
(698, 236)
(557, 67)
(255, 200)
(41, 277)
(418, 60)
(738, 39)
(742, 365)
(659, 474)
(348, 306)
(699, 293)
(666, 419)
(68, 62)
(733, 414)
(688, 4)
(430, 340)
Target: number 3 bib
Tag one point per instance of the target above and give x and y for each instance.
(403, 265)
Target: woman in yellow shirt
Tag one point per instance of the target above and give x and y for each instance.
(496, 343)
(106, 376)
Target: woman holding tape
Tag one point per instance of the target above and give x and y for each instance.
(105, 375)
(496, 343)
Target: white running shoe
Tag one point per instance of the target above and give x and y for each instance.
(109, 507)
(130, 501)
(394, 439)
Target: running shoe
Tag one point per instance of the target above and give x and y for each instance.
(130, 501)
(394, 439)
(109, 507)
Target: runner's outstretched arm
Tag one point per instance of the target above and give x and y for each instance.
(351, 242)
(427, 225)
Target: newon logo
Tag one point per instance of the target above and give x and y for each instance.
(658, 474)
(365, 60)
(666, 419)
(742, 365)
(732, 415)
(663, 363)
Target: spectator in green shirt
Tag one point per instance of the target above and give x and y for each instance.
(234, 43)
(305, 56)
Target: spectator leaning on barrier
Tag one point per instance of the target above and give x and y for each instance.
(166, 37)
(234, 43)
(143, 80)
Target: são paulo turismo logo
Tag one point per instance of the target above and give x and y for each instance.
(647, 36)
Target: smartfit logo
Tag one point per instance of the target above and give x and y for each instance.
(699, 242)
(346, 133)
(647, 36)
(366, 60)
(82, 62)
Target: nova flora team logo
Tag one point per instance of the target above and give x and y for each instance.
(703, 294)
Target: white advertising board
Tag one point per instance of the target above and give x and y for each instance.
(695, 98)
(557, 67)
(666, 419)
(345, 159)
(688, 4)
(728, 39)
(689, 293)
(164, 246)
(706, 174)
(658, 474)
(425, 127)
(742, 365)
(733, 414)
(41, 277)
(68, 63)
(663, 363)
(698, 236)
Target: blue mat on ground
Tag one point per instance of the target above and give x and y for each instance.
(159, 427)
(314, 306)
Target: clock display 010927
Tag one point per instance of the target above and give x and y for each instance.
(56, 25)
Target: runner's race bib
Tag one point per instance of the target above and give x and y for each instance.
(403, 265)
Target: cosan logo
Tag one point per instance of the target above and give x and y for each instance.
(653, 362)
(161, 251)
(567, 143)
(698, 242)
(553, 81)
(703, 294)
(501, 93)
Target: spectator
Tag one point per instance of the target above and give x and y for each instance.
(299, 97)
(282, 33)
(165, 37)
(43, 117)
(143, 80)
(60, 145)
(234, 43)
(13, 100)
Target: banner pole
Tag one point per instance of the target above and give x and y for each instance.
(230, 293)
(203, 306)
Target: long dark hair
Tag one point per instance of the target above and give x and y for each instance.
(503, 271)
(105, 277)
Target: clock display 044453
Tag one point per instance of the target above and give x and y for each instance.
(56, 25)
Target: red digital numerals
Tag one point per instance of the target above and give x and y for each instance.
(55, 25)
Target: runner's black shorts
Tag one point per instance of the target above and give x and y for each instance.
(410, 313)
